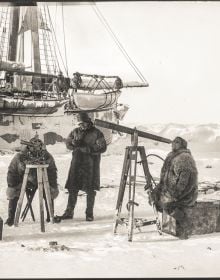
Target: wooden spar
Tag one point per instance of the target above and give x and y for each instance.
(24, 3)
(111, 84)
(84, 85)
(96, 76)
(28, 73)
(129, 130)
(30, 23)
(134, 84)
(14, 19)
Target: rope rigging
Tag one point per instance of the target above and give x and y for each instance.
(46, 41)
(54, 35)
(64, 39)
(118, 43)
(55, 30)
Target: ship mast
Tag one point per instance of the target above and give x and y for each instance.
(13, 37)
(28, 29)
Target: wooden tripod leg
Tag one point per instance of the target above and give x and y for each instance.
(122, 186)
(29, 206)
(48, 194)
(40, 190)
(145, 164)
(21, 197)
(46, 206)
(132, 183)
(148, 181)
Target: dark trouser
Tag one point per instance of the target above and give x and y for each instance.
(90, 201)
(182, 221)
(178, 212)
(12, 205)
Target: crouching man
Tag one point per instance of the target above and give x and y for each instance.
(15, 176)
(178, 186)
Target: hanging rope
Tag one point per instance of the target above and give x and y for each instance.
(55, 28)
(64, 39)
(5, 34)
(55, 41)
(155, 155)
(57, 65)
(116, 40)
(46, 41)
(55, 33)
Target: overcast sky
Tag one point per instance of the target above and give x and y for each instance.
(176, 46)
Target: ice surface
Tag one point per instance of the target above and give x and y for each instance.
(89, 249)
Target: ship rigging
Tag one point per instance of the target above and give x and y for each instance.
(34, 76)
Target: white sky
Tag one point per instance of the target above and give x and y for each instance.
(176, 45)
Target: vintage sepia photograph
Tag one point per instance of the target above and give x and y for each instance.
(109, 139)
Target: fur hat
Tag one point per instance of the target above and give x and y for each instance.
(83, 117)
(182, 141)
(38, 142)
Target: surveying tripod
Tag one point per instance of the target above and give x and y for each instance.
(43, 186)
(129, 174)
(30, 196)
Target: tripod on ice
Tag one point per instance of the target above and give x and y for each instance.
(129, 175)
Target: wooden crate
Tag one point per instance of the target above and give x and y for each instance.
(2, 103)
(203, 218)
(1, 228)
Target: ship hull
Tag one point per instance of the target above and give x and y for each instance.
(51, 128)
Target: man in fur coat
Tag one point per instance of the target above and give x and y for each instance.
(15, 177)
(178, 186)
(87, 143)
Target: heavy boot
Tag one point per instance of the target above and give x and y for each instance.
(181, 231)
(12, 205)
(47, 210)
(90, 201)
(182, 223)
(68, 213)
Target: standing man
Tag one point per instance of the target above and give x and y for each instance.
(178, 186)
(87, 143)
(76, 81)
(118, 83)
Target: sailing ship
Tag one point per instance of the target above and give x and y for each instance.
(35, 95)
